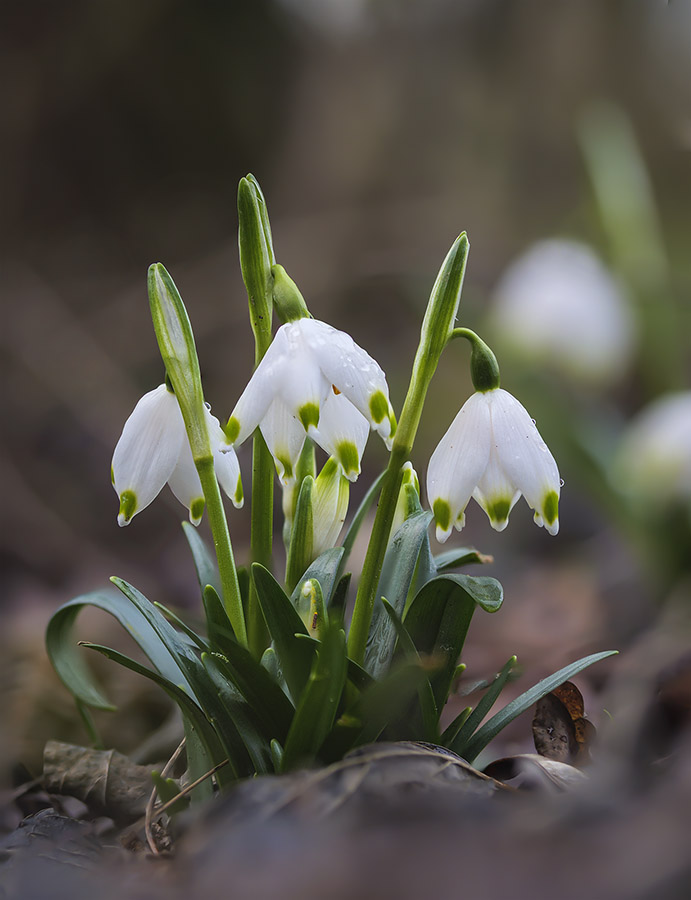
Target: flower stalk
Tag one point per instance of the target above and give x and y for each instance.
(437, 327)
(256, 259)
(179, 354)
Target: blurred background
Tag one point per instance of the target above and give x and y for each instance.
(557, 134)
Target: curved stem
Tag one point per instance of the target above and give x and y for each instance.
(436, 330)
(230, 588)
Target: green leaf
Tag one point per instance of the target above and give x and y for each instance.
(426, 727)
(438, 620)
(283, 623)
(271, 708)
(242, 716)
(316, 710)
(460, 556)
(396, 577)
(456, 736)
(387, 699)
(195, 639)
(204, 561)
(204, 749)
(501, 719)
(69, 663)
(167, 789)
(324, 569)
(358, 519)
(218, 627)
(339, 598)
(301, 538)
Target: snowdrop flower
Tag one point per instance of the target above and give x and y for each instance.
(558, 303)
(314, 380)
(154, 450)
(654, 458)
(492, 452)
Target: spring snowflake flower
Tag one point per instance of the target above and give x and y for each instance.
(559, 304)
(314, 380)
(653, 463)
(153, 450)
(493, 452)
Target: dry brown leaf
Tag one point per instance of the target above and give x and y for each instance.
(106, 781)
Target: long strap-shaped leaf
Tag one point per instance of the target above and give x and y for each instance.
(204, 749)
(69, 663)
(284, 623)
(396, 577)
(492, 727)
(456, 740)
(439, 617)
(428, 711)
(324, 569)
(319, 701)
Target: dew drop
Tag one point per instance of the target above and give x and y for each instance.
(207, 404)
(561, 482)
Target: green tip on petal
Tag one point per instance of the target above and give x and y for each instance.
(309, 415)
(347, 455)
(442, 514)
(196, 510)
(498, 513)
(112, 476)
(284, 467)
(550, 507)
(128, 507)
(232, 429)
(239, 495)
(379, 408)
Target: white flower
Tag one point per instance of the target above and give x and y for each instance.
(314, 380)
(492, 452)
(559, 304)
(654, 458)
(153, 449)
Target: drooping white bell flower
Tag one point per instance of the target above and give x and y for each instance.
(559, 304)
(153, 450)
(653, 463)
(494, 453)
(308, 364)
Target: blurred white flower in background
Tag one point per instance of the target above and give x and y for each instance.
(654, 458)
(558, 304)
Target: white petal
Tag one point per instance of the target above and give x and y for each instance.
(225, 462)
(302, 387)
(148, 449)
(185, 484)
(459, 461)
(495, 492)
(343, 433)
(260, 391)
(353, 372)
(285, 437)
(525, 457)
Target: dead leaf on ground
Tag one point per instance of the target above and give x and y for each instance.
(560, 730)
(106, 781)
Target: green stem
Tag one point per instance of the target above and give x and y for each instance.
(434, 336)
(232, 599)
(261, 536)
